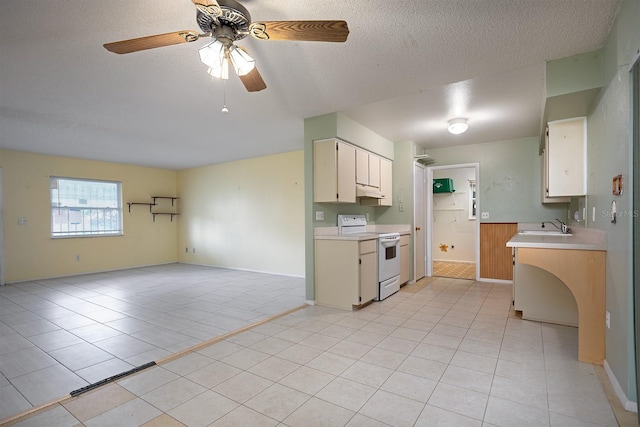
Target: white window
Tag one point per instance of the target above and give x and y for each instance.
(472, 199)
(85, 208)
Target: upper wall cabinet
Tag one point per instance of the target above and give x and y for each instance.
(334, 171)
(566, 158)
(367, 168)
(386, 185)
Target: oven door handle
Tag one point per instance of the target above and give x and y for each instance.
(389, 241)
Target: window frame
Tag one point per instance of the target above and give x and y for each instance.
(92, 216)
(473, 199)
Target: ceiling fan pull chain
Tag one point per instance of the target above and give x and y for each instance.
(225, 110)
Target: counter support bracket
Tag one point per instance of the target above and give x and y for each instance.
(584, 274)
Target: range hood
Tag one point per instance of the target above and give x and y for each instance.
(368, 192)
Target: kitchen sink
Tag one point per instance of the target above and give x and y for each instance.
(543, 233)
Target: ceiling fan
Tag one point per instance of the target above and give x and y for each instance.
(227, 21)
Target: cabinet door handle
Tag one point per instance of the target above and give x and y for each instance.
(417, 228)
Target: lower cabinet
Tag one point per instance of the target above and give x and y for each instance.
(346, 272)
(404, 259)
(541, 296)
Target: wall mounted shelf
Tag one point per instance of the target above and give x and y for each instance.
(164, 213)
(164, 197)
(141, 203)
(155, 203)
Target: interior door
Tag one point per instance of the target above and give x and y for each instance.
(1, 236)
(419, 221)
(635, 73)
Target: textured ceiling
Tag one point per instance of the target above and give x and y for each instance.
(407, 67)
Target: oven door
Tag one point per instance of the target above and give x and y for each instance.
(388, 257)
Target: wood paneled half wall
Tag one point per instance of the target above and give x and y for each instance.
(496, 261)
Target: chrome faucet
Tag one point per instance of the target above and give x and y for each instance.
(563, 227)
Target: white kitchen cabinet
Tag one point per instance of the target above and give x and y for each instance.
(386, 185)
(367, 168)
(566, 156)
(334, 171)
(404, 259)
(346, 272)
(545, 177)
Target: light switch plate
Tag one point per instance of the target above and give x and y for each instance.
(319, 215)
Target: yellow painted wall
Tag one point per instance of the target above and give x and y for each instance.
(247, 214)
(30, 252)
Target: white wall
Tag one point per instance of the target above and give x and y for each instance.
(451, 224)
(247, 214)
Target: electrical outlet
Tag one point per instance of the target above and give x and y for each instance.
(319, 215)
(22, 220)
(77, 258)
(186, 250)
(608, 320)
(485, 215)
(193, 250)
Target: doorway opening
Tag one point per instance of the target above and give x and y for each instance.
(453, 230)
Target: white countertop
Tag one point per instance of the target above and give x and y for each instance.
(372, 232)
(581, 239)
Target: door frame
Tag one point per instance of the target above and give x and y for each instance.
(2, 276)
(419, 200)
(429, 213)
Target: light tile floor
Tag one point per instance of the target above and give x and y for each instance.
(59, 335)
(451, 353)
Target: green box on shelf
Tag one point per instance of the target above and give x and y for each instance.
(443, 185)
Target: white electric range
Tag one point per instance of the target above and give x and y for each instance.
(388, 253)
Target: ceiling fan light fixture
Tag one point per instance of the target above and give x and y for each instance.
(242, 62)
(221, 71)
(212, 54)
(458, 126)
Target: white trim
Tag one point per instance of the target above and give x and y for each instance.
(458, 261)
(505, 282)
(297, 276)
(2, 266)
(83, 273)
(152, 265)
(627, 404)
(635, 59)
(429, 213)
(310, 302)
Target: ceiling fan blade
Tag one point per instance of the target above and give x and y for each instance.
(252, 81)
(152, 42)
(210, 7)
(322, 31)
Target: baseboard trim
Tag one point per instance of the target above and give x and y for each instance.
(506, 282)
(627, 404)
(297, 276)
(84, 273)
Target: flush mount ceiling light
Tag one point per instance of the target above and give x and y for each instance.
(458, 126)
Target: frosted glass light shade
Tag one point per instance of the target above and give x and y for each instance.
(458, 126)
(212, 54)
(241, 61)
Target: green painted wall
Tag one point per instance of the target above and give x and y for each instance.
(574, 74)
(609, 154)
(334, 125)
(510, 186)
